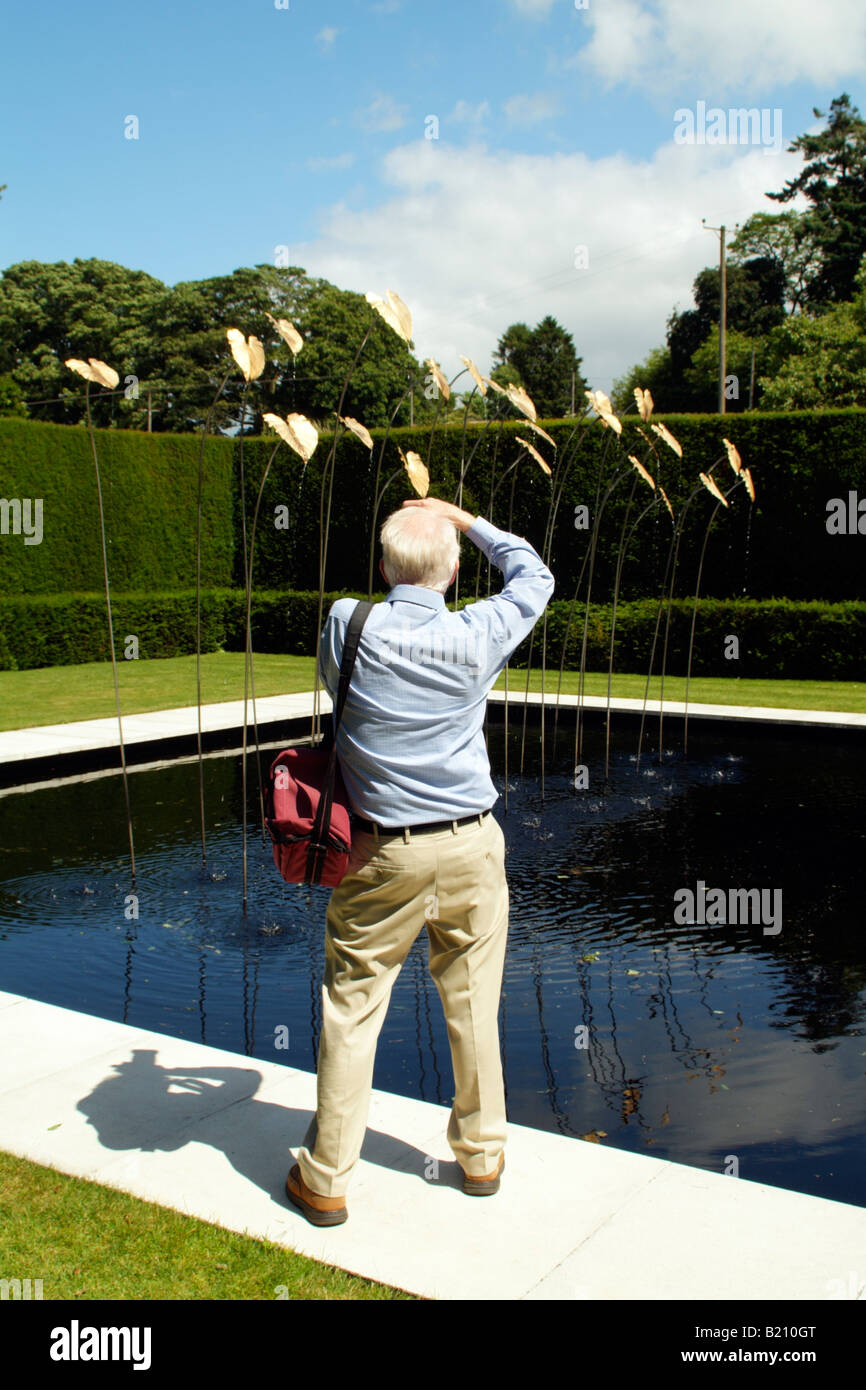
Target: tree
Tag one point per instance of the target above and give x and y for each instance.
(506, 374)
(546, 365)
(702, 376)
(87, 309)
(169, 345)
(820, 361)
(755, 304)
(784, 238)
(834, 181)
(333, 323)
(11, 397)
(655, 375)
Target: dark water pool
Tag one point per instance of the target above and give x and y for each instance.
(704, 1043)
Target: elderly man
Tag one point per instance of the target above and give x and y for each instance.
(426, 849)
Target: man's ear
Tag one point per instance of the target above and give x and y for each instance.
(454, 575)
(382, 572)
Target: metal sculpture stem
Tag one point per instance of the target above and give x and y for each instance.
(695, 614)
(111, 636)
(378, 495)
(198, 613)
(325, 524)
(248, 666)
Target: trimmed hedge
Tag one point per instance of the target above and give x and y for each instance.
(777, 548)
(149, 490)
(777, 639)
(67, 629)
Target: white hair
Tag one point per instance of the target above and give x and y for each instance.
(419, 547)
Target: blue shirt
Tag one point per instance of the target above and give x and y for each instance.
(411, 741)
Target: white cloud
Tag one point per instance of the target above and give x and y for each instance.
(465, 113)
(325, 163)
(383, 113)
(474, 241)
(740, 45)
(524, 109)
(325, 37)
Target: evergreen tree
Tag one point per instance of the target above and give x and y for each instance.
(546, 365)
(834, 181)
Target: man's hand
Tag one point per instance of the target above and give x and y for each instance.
(462, 520)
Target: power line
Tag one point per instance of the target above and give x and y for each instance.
(71, 396)
(564, 275)
(559, 278)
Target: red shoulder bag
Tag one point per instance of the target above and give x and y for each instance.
(308, 815)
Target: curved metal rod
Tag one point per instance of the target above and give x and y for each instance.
(625, 542)
(111, 635)
(406, 393)
(731, 489)
(198, 612)
(325, 522)
(248, 666)
(583, 566)
(688, 503)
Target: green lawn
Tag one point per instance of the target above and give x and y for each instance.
(86, 1242)
(60, 694)
(848, 696)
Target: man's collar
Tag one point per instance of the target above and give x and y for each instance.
(415, 593)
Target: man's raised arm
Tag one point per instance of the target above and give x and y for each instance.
(508, 616)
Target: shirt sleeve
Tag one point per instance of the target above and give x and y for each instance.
(505, 619)
(331, 644)
(331, 650)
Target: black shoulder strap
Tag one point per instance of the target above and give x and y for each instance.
(350, 650)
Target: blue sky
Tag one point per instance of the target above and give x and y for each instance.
(306, 127)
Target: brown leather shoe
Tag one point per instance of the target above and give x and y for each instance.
(486, 1186)
(320, 1211)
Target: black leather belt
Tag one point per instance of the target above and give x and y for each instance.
(372, 829)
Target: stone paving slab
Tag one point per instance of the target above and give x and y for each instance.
(765, 714)
(212, 1133)
(85, 735)
(52, 740)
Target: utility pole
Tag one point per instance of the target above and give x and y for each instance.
(752, 381)
(149, 413)
(723, 308)
(573, 374)
(723, 318)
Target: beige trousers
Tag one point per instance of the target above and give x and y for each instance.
(453, 883)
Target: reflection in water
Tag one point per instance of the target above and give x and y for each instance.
(692, 1042)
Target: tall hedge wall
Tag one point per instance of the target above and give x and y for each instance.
(780, 547)
(149, 488)
(777, 548)
(778, 639)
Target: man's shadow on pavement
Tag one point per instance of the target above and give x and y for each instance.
(150, 1108)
